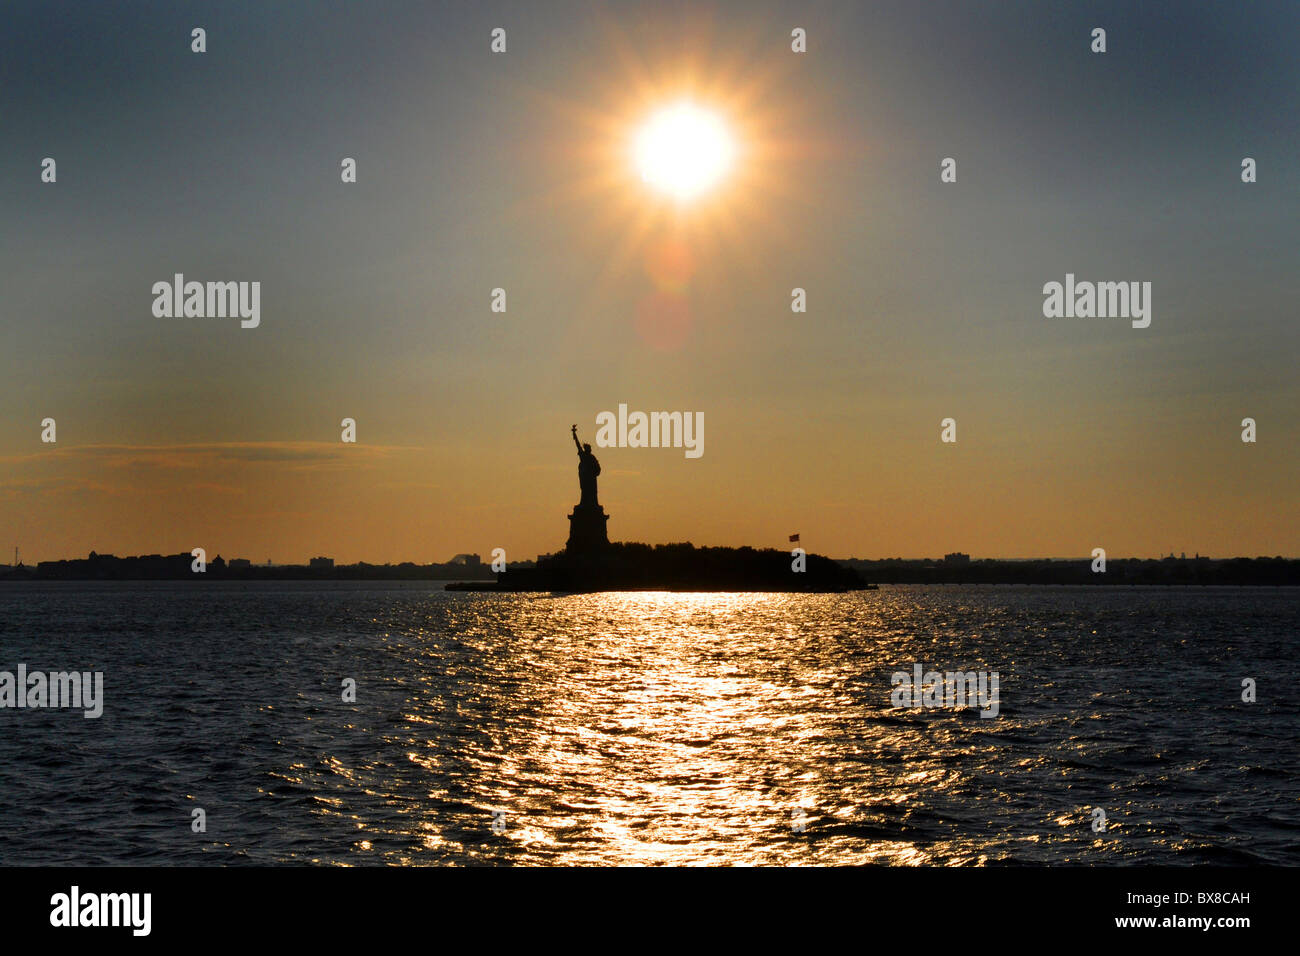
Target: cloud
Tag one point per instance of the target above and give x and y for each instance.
(58, 484)
(298, 455)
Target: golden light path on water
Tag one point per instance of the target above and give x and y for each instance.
(653, 741)
(658, 728)
(651, 728)
(758, 729)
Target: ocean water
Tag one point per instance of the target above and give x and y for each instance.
(650, 728)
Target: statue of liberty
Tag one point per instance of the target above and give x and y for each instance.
(588, 471)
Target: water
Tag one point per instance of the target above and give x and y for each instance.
(649, 728)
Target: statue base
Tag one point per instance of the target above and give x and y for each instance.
(587, 529)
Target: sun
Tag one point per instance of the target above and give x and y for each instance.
(670, 161)
(683, 150)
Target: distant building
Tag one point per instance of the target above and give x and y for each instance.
(321, 563)
(466, 560)
(956, 557)
(236, 563)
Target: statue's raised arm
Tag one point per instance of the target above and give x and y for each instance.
(575, 439)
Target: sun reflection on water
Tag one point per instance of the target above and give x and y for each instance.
(661, 728)
(654, 728)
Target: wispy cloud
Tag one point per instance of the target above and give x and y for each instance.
(298, 455)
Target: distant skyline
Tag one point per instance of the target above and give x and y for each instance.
(486, 559)
(478, 171)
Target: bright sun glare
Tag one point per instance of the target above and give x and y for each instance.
(683, 150)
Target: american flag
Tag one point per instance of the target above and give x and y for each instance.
(794, 537)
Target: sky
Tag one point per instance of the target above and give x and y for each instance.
(479, 170)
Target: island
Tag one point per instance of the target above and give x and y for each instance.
(591, 562)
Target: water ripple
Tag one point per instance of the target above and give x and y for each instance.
(649, 728)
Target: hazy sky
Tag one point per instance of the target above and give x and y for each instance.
(480, 170)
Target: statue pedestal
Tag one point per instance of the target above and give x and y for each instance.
(587, 529)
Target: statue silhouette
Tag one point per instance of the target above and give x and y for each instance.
(588, 471)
